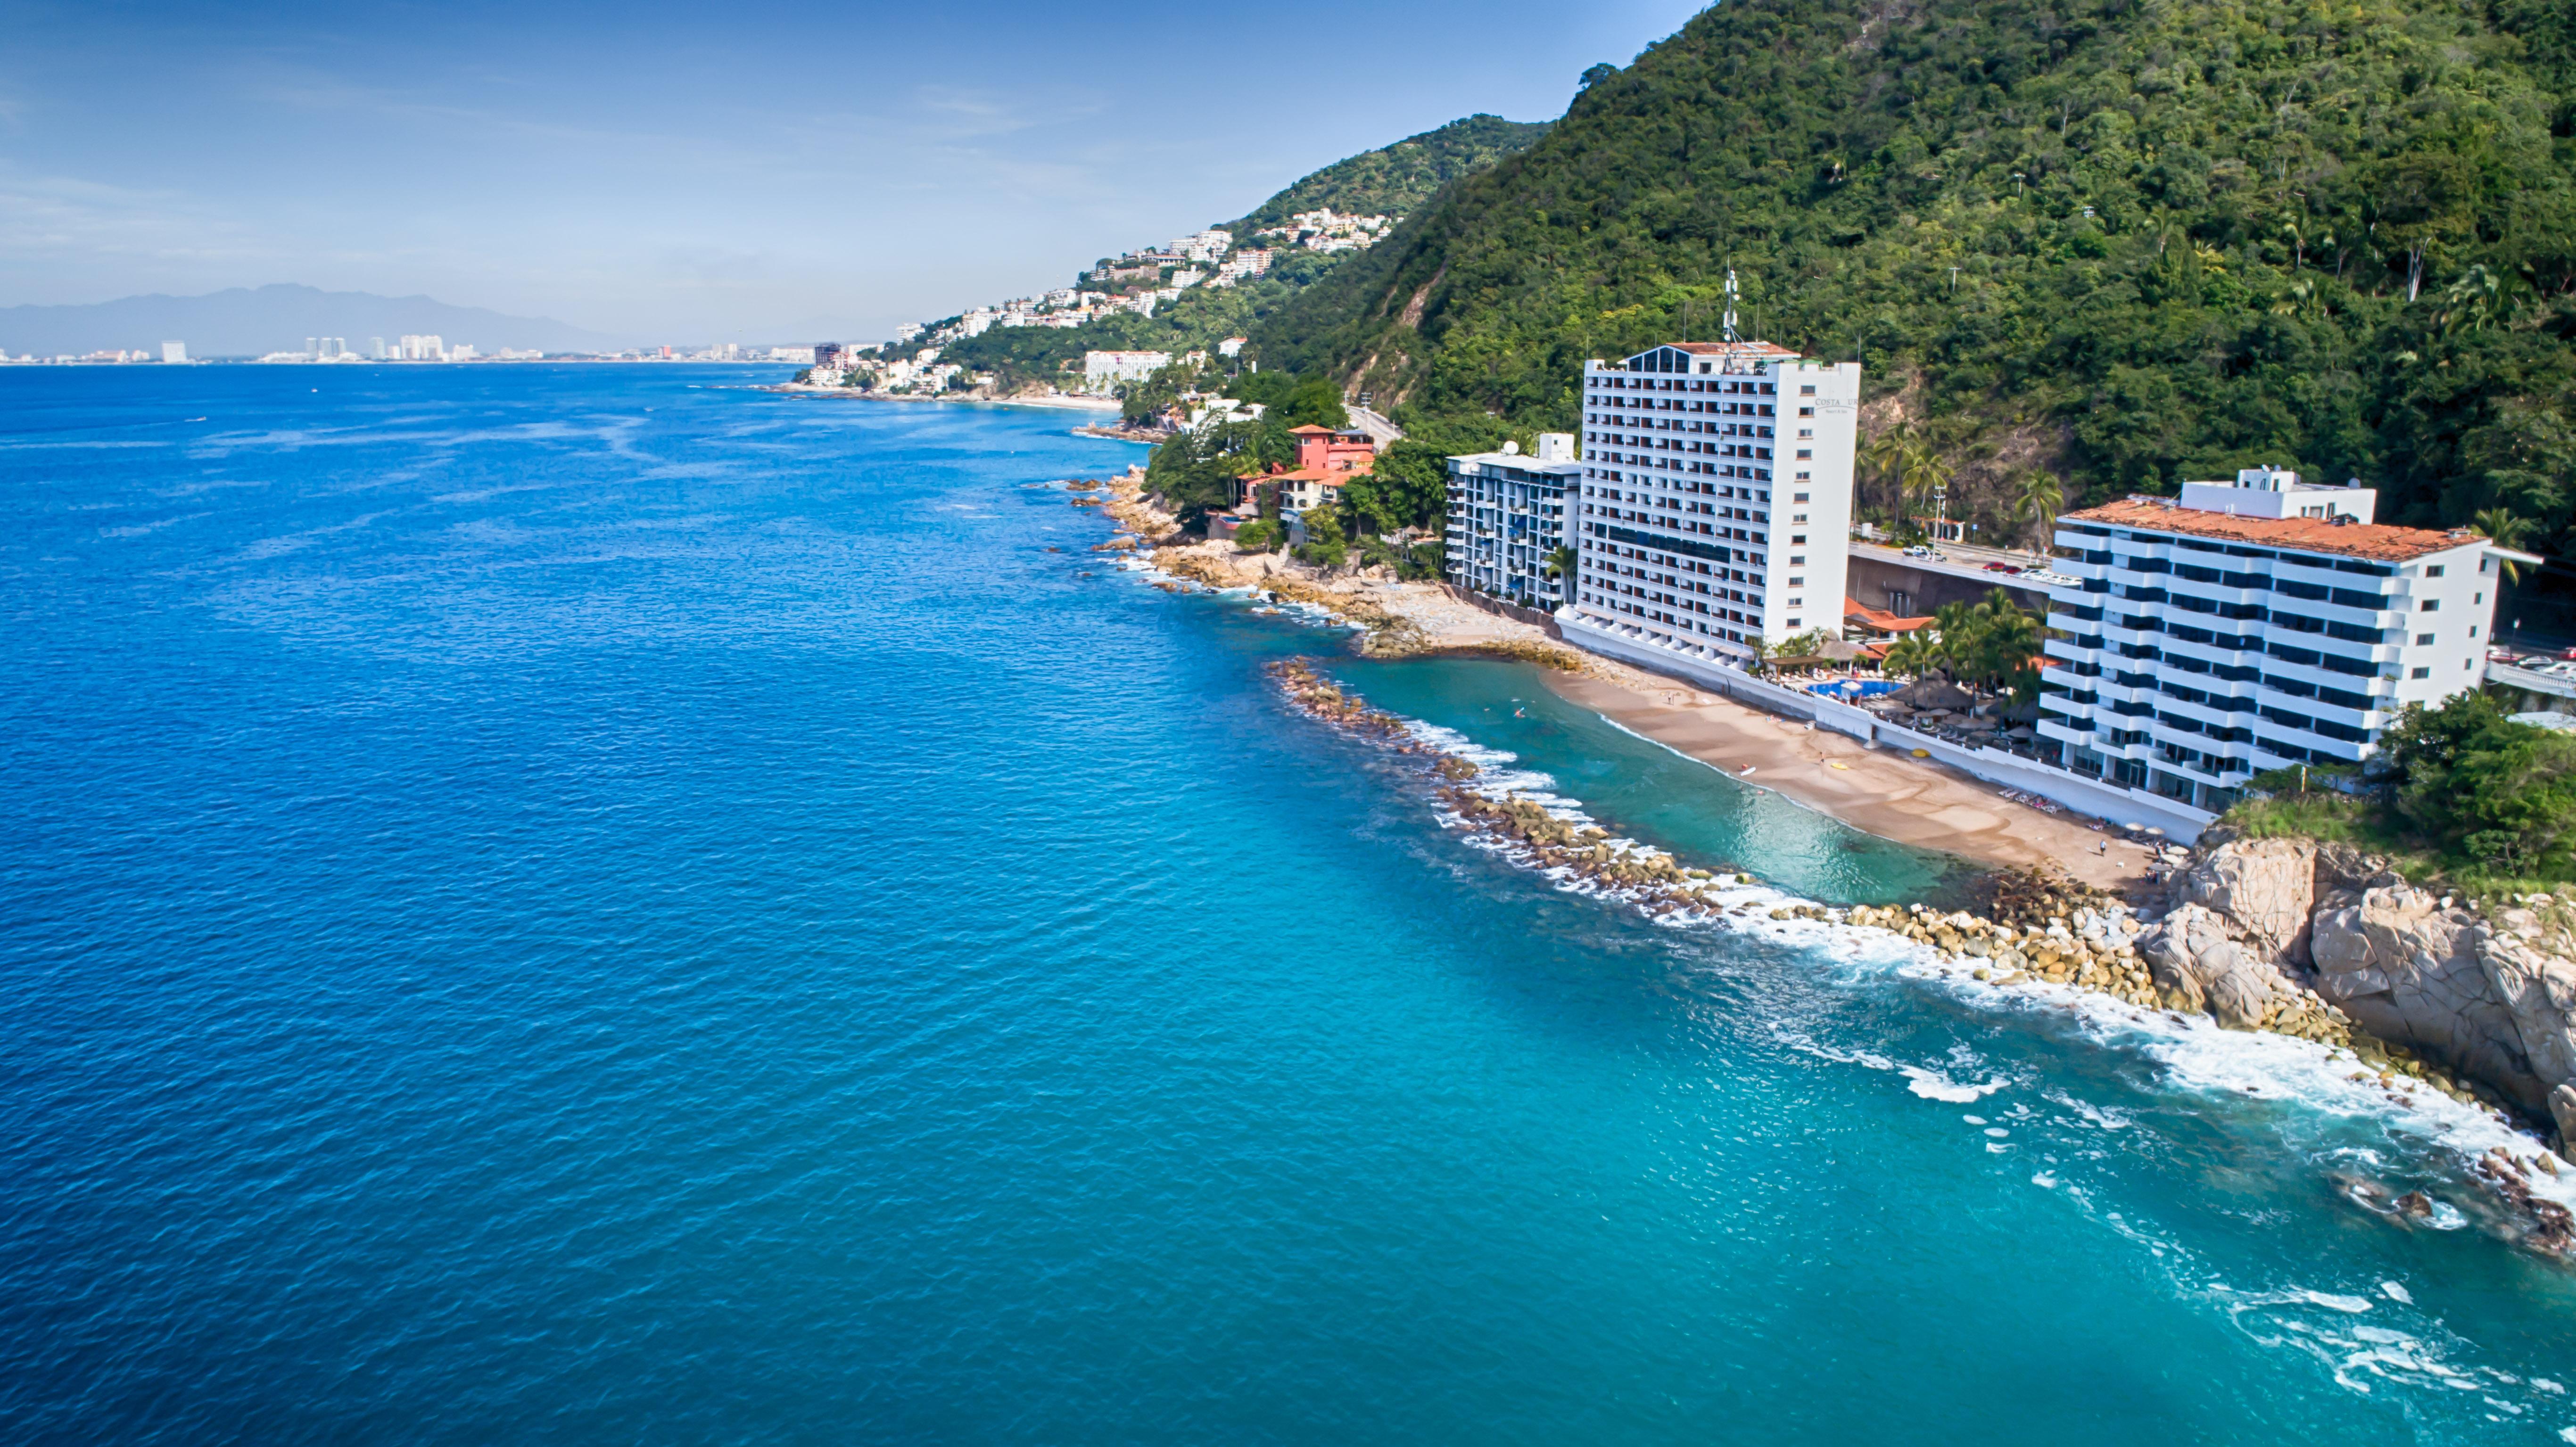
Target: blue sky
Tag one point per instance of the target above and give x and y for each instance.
(744, 171)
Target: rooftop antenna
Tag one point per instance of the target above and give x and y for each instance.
(1730, 306)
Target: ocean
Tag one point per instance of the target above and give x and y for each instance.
(578, 904)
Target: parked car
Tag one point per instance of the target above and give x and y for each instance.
(1918, 551)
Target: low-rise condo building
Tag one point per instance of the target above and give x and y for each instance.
(1506, 520)
(1715, 501)
(2252, 626)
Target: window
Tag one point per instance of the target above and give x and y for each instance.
(1793, 622)
(1806, 411)
(1798, 517)
(1797, 540)
(2421, 673)
(1807, 391)
(2431, 605)
(1806, 432)
(2422, 639)
(1802, 497)
(2473, 630)
(2434, 571)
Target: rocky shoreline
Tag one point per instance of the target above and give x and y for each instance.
(2212, 952)
(2419, 994)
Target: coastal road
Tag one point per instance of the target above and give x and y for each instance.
(1380, 430)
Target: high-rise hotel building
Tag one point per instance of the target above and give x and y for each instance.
(1715, 506)
(2249, 626)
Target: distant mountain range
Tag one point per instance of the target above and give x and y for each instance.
(247, 322)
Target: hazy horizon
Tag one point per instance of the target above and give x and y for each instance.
(651, 171)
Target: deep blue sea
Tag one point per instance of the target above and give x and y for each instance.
(598, 905)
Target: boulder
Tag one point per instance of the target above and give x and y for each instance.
(2264, 888)
(2562, 1108)
(2499, 1008)
(2194, 962)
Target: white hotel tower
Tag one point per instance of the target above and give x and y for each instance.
(2251, 626)
(1716, 502)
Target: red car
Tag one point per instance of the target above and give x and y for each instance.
(2001, 568)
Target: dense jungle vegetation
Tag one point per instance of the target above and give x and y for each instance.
(2118, 242)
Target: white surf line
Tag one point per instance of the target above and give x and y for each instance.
(2193, 1052)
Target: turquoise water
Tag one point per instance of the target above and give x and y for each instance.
(579, 905)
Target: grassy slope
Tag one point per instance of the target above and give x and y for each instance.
(2257, 171)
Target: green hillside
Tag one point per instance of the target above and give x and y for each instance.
(1394, 180)
(2124, 241)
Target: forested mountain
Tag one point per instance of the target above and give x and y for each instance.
(2125, 241)
(1394, 180)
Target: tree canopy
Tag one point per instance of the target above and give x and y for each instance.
(2122, 241)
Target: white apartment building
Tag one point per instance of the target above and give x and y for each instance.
(1715, 504)
(174, 351)
(1506, 519)
(2251, 626)
(1101, 370)
(430, 348)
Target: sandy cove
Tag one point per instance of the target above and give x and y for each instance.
(1880, 791)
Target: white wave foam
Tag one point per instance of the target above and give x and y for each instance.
(2194, 1055)
(1936, 1085)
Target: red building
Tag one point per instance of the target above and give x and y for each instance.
(1326, 459)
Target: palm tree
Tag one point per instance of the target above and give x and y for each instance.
(1886, 458)
(2041, 498)
(1560, 565)
(1925, 475)
(2505, 530)
(1915, 653)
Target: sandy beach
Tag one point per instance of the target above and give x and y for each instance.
(1880, 791)
(1877, 790)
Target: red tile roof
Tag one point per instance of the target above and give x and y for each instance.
(1883, 621)
(2382, 542)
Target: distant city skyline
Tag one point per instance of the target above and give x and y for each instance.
(645, 170)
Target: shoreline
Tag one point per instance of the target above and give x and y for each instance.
(1054, 404)
(1876, 791)
(2067, 929)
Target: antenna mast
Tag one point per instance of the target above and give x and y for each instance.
(1730, 305)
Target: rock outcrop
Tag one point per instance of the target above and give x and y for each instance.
(2489, 996)
(2266, 890)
